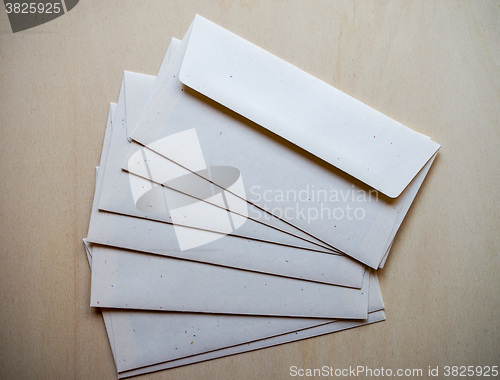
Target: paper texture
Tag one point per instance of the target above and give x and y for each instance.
(131, 280)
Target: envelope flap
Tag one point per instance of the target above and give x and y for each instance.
(300, 108)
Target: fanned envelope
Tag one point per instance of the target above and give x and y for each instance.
(126, 279)
(309, 154)
(305, 111)
(328, 328)
(237, 202)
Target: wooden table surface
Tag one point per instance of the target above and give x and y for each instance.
(432, 65)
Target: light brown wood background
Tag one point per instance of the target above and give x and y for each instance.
(432, 65)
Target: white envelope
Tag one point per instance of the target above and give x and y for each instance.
(340, 325)
(310, 139)
(155, 237)
(305, 111)
(152, 341)
(126, 279)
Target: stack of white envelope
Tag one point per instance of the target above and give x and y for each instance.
(241, 203)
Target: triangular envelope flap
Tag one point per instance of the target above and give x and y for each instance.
(300, 108)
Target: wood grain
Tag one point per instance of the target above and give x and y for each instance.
(432, 65)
